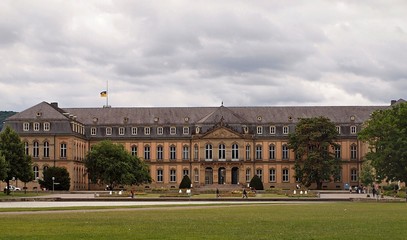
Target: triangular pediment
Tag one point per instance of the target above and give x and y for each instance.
(42, 110)
(222, 133)
(222, 114)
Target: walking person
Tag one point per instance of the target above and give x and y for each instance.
(244, 193)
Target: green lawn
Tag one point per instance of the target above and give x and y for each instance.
(263, 221)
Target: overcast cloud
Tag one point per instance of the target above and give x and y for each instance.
(200, 53)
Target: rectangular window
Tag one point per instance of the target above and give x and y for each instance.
(248, 152)
(36, 127)
(134, 131)
(134, 150)
(160, 152)
(272, 152)
(353, 175)
(235, 152)
(46, 149)
(173, 130)
(26, 126)
(147, 152)
(259, 130)
(196, 152)
(47, 126)
(286, 175)
(338, 129)
(338, 152)
(248, 175)
(159, 175)
(173, 175)
(272, 175)
(185, 130)
(160, 131)
(121, 131)
(147, 130)
(259, 152)
(353, 152)
(286, 130)
(63, 150)
(285, 152)
(26, 148)
(93, 131)
(196, 175)
(185, 172)
(108, 131)
(222, 152)
(36, 150)
(272, 130)
(185, 153)
(172, 153)
(259, 173)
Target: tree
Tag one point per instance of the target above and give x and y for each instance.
(61, 180)
(12, 149)
(367, 174)
(28, 174)
(3, 167)
(256, 183)
(185, 183)
(386, 134)
(312, 140)
(109, 163)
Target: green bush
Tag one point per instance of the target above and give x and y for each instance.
(256, 183)
(185, 183)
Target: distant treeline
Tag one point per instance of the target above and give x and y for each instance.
(4, 115)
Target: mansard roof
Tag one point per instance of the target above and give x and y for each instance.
(196, 115)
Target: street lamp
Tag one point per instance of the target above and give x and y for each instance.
(53, 184)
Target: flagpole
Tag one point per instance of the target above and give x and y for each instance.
(107, 91)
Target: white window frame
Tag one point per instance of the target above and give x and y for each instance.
(353, 129)
(63, 150)
(208, 152)
(248, 174)
(272, 175)
(160, 152)
(272, 130)
(147, 152)
(286, 130)
(122, 131)
(272, 152)
(259, 130)
(222, 152)
(36, 149)
(248, 152)
(36, 127)
(160, 175)
(134, 131)
(26, 126)
(93, 131)
(109, 131)
(235, 152)
(353, 175)
(36, 171)
(173, 152)
(285, 152)
(147, 130)
(259, 152)
(185, 130)
(46, 149)
(134, 150)
(285, 175)
(160, 130)
(47, 126)
(173, 175)
(338, 129)
(196, 175)
(173, 130)
(259, 173)
(185, 152)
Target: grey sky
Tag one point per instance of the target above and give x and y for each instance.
(200, 53)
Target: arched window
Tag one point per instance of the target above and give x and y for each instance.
(134, 150)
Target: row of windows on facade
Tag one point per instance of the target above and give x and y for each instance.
(209, 152)
(46, 126)
(285, 175)
(209, 155)
(147, 130)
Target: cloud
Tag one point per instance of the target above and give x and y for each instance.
(175, 53)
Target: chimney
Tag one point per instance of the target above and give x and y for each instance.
(393, 102)
(54, 104)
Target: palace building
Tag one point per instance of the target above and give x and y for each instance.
(212, 145)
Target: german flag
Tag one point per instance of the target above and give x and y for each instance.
(103, 94)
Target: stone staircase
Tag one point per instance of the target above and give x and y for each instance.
(220, 187)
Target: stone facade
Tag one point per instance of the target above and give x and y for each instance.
(213, 145)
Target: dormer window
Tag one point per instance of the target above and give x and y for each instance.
(173, 130)
(286, 130)
(259, 130)
(26, 126)
(272, 130)
(47, 126)
(185, 130)
(121, 131)
(108, 131)
(36, 127)
(93, 131)
(147, 130)
(353, 129)
(133, 131)
(160, 131)
(338, 129)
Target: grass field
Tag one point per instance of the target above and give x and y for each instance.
(265, 221)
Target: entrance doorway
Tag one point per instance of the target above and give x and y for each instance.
(208, 175)
(221, 175)
(235, 175)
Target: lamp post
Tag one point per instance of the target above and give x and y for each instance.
(53, 184)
